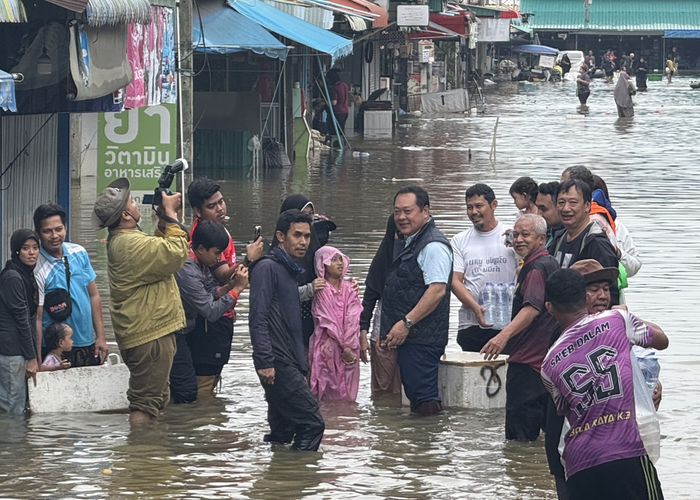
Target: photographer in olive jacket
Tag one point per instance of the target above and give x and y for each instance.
(145, 302)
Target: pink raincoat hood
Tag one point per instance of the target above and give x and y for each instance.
(323, 257)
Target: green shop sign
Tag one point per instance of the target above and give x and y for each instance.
(136, 144)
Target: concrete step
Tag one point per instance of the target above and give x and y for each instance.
(85, 389)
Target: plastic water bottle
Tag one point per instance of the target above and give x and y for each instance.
(501, 304)
(487, 300)
(649, 364)
(511, 293)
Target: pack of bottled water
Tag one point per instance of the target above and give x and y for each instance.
(497, 300)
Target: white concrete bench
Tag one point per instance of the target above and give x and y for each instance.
(85, 389)
(466, 380)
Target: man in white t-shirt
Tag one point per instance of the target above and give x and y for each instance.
(480, 257)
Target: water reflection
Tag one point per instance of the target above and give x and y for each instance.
(624, 125)
(375, 449)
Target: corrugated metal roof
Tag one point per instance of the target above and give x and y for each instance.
(614, 15)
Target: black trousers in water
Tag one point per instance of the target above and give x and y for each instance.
(628, 479)
(183, 381)
(419, 372)
(292, 411)
(526, 403)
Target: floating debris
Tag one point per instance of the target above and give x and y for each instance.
(405, 179)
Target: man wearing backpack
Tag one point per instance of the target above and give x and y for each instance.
(583, 239)
(65, 277)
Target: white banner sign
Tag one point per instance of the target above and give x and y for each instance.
(494, 30)
(547, 61)
(412, 15)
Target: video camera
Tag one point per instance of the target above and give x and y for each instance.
(165, 181)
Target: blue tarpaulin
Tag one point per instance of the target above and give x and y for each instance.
(294, 28)
(541, 50)
(224, 31)
(682, 34)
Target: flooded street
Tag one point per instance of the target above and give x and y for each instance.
(374, 449)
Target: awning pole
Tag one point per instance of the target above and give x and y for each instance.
(330, 106)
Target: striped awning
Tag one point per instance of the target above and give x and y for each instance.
(294, 28)
(72, 5)
(108, 12)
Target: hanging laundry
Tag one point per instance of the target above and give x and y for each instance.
(167, 72)
(12, 11)
(8, 102)
(153, 51)
(135, 92)
(151, 55)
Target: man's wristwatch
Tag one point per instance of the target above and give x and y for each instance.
(407, 323)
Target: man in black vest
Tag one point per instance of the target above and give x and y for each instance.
(528, 334)
(416, 300)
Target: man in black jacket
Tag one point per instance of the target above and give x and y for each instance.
(582, 239)
(277, 337)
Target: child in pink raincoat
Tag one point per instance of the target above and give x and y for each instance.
(334, 349)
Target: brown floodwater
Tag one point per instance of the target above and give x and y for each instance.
(375, 449)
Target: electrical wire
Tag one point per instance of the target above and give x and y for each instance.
(24, 148)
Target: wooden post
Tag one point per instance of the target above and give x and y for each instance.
(492, 154)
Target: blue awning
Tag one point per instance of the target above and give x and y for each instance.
(542, 50)
(294, 28)
(682, 34)
(225, 31)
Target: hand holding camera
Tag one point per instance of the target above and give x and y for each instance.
(239, 281)
(170, 204)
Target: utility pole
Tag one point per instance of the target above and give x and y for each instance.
(185, 72)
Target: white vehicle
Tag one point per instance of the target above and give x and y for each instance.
(576, 57)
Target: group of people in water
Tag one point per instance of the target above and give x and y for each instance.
(629, 65)
(565, 263)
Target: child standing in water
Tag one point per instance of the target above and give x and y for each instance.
(334, 348)
(59, 339)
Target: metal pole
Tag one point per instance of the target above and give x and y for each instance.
(183, 14)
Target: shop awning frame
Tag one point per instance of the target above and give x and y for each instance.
(294, 28)
(225, 31)
(682, 34)
(434, 31)
(542, 50)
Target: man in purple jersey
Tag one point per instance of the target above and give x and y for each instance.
(589, 372)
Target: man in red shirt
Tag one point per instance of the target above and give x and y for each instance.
(528, 334)
(208, 203)
(340, 92)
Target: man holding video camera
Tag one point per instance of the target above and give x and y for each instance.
(145, 302)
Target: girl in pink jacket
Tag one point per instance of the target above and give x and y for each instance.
(334, 349)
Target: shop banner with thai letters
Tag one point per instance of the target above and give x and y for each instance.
(136, 144)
